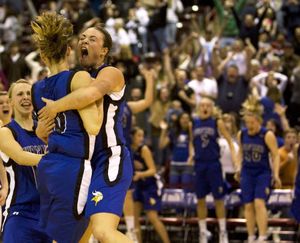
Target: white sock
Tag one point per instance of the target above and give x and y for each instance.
(222, 224)
(202, 225)
(262, 238)
(251, 238)
(129, 223)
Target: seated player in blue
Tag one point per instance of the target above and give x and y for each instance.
(112, 166)
(255, 144)
(147, 186)
(64, 174)
(205, 151)
(181, 173)
(21, 150)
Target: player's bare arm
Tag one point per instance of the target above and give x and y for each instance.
(13, 150)
(109, 80)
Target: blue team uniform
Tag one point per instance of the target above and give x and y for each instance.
(148, 190)
(295, 209)
(207, 153)
(180, 172)
(64, 173)
(256, 172)
(111, 162)
(21, 211)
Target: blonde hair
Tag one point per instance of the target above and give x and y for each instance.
(13, 85)
(252, 106)
(52, 33)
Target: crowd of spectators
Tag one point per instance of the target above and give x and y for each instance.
(224, 50)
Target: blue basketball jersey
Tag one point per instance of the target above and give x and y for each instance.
(179, 146)
(142, 166)
(23, 197)
(69, 136)
(205, 142)
(110, 142)
(255, 150)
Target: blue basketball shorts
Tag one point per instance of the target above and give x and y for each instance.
(209, 179)
(112, 176)
(63, 186)
(23, 229)
(255, 184)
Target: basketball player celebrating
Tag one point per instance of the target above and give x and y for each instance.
(22, 207)
(112, 166)
(255, 143)
(65, 172)
(205, 151)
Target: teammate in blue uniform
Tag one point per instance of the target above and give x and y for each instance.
(131, 108)
(21, 211)
(64, 174)
(147, 185)
(178, 139)
(205, 151)
(255, 143)
(112, 167)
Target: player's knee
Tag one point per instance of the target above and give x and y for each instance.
(259, 205)
(101, 233)
(249, 207)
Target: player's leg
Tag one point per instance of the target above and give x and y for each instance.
(87, 234)
(262, 192)
(250, 219)
(158, 225)
(217, 183)
(128, 211)
(261, 216)
(105, 228)
(202, 189)
(138, 207)
(248, 194)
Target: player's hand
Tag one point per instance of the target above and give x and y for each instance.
(237, 176)
(190, 161)
(3, 195)
(277, 182)
(48, 112)
(163, 125)
(44, 128)
(148, 74)
(137, 176)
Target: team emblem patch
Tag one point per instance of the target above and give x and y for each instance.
(98, 196)
(220, 189)
(152, 201)
(267, 191)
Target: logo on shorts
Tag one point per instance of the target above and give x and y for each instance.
(152, 201)
(98, 196)
(267, 191)
(220, 189)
